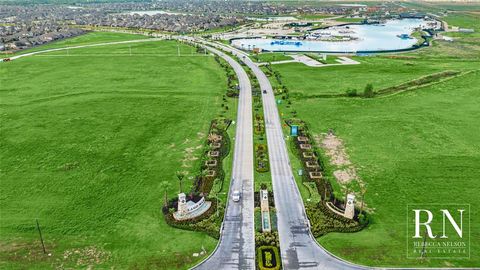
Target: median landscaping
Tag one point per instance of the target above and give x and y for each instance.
(327, 214)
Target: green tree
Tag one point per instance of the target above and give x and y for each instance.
(368, 92)
(180, 176)
(351, 92)
(165, 186)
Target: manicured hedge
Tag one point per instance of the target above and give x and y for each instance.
(275, 260)
(262, 163)
(204, 184)
(323, 221)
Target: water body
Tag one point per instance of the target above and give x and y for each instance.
(366, 37)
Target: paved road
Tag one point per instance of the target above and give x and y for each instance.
(299, 250)
(236, 249)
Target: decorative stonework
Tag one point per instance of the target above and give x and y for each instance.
(211, 163)
(189, 209)
(305, 146)
(182, 204)
(350, 207)
(210, 173)
(349, 211)
(315, 175)
(312, 164)
(265, 210)
(309, 155)
(302, 139)
(213, 153)
(216, 145)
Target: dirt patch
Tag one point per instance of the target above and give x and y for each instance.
(345, 175)
(189, 156)
(32, 253)
(334, 149)
(86, 256)
(189, 152)
(337, 154)
(26, 252)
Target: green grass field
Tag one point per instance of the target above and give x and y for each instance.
(86, 140)
(304, 81)
(86, 39)
(415, 147)
(271, 57)
(313, 17)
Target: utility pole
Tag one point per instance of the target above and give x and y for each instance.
(41, 237)
(178, 50)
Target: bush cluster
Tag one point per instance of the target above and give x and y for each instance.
(262, 163)
(323, 221)
(203, 183)
(232, 80)
(268, 258)
(259, 124)
(207, 222)
(267, 239)
(419, 82)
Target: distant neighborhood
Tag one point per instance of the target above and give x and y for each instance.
(25, 26)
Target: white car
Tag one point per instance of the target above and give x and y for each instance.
(236, 196)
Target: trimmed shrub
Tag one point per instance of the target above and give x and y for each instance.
(368, 92)
(268, 258)
(262, 163)
(323, 221)
(351, 92)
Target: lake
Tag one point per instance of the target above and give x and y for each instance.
(358, 37)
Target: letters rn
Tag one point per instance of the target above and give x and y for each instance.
(445, 213)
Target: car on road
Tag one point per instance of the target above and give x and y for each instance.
(264, 91)
(236, 196)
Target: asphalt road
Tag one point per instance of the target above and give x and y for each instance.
(299, 250)
(236, 249)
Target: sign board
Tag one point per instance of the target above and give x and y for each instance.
(294, 131)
